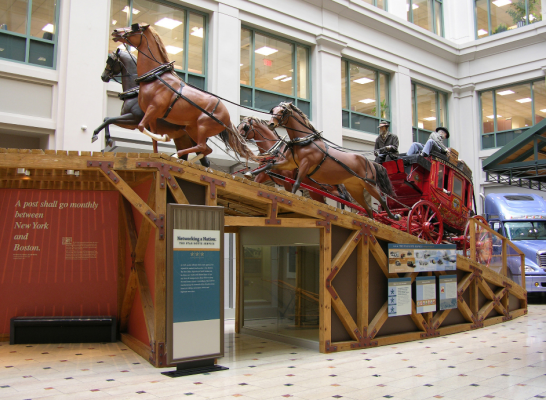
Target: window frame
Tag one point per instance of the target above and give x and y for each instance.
(495, 131)
(294, 95)
(28, 38)
(386, 2)
(431, 4)
(421, 131)
(489, 27)
(184, 74)
(347, 62)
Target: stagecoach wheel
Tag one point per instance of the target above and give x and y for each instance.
(425, 222)
(484, 242)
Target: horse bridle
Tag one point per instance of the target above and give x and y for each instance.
(250, 125)
(137, 29)
(284, 115)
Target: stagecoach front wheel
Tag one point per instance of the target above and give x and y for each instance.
(425, 222)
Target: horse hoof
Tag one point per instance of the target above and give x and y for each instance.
(109, 142)
(248, 175)
(94, 138)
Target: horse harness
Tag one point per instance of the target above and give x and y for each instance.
(129, 94)
(168, 67)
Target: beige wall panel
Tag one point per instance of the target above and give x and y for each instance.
(26, 98)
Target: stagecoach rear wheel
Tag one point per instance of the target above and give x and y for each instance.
(484, 242)
(425, 222)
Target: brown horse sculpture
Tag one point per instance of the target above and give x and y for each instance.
(122, 63)
(271, 144)
(315, 158)
(163, 95)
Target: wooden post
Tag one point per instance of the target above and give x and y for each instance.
(472, 232)
(325, 299)
(122, 243)
(160, 274)
(362, 282)
(299, 280)
(504, 271)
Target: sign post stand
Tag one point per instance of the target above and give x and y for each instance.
(195, 307)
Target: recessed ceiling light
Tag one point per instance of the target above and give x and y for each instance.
(430, 119)
(525, 100)
(544, 110)
(505, 92)
(279, 77)
(197, 32)
(286, 79)
(482, 32)
(362, 81)
(173, 49)
(49, 28)
(114, 22)
(492, 116)
(168, 23)
(500, 3)
(367, 101)
(126, 10)
(414, 6)
(266, 51)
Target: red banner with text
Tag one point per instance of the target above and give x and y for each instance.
(59, 253)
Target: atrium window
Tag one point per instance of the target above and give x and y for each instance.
(28, 31)
(428, 14)
(273, 70)
(365, 97)
(508, 111)
(378, 3)
(429, 111)
(496, 16)
(183, 32)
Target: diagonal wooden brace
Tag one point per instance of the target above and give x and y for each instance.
(329, 280)
(106, 167)
(430, 331)
(273, 220)
(213, 182)
(165, 172)
(478, 322)
(328, 217)
(476, 273)
(365, 232)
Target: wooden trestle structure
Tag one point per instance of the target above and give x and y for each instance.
(352, 295)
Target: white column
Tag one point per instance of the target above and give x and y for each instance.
(459, 20)
(83, 47)
(401, 108)
(225, 57)
(327, 88)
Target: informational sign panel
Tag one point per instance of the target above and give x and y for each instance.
(425, 294)
(59, 253)
(195, 323)
(447, 292)
(399, 297)
(422, 257)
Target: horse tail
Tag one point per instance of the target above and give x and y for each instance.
(383, 180)
(234, 141)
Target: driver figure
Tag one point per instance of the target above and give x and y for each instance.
(386, 144)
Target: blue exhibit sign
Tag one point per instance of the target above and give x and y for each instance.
(425, 294)
(399, 297)
(448, 292)
(422, 257)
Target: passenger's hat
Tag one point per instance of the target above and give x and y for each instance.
(441, 128)
(384, 123)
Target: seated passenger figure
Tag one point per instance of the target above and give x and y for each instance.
(434, 142)
(386, 144)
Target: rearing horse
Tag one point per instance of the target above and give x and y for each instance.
(271, 144)
(315, 158)
(163, 95)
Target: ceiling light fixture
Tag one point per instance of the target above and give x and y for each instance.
(126, 10)
(430, 119)
(279, 77)
(525, 100)
(505, 92)
(501, 3)
(544, 110)
(173, 49)
(362, 81)
(114, 22)
(367, 101)
(286, 79)
(168, 23)
(492, 116)
(49, 28)
(482, 32)
(266, 51)
(197, 31)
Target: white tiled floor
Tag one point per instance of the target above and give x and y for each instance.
(505, 361)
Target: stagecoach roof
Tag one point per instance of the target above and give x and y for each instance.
(521, 162)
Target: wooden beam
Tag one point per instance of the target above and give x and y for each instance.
(160, 274)
(439, 317)
(122, 244)
(136, 345)
(128, 299)
(178, 194)
(485, 310)
(129, 222)
(344, 253)
(325, 299)
(378, 320)
(362, 285)
(417, 319)
(145, 228)
(465, 310)
(260, 221)
(146, 299)
(381, 259)
(345, 317)
(238, 286)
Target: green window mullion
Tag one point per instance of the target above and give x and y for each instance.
(29, 16)
(495, 115)
(186, 40)
(295, 68)
(533, 103)
(378, 96)
(489, 25)
(527, 21)
(348, 77)
(431, 4)
(130, 12)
